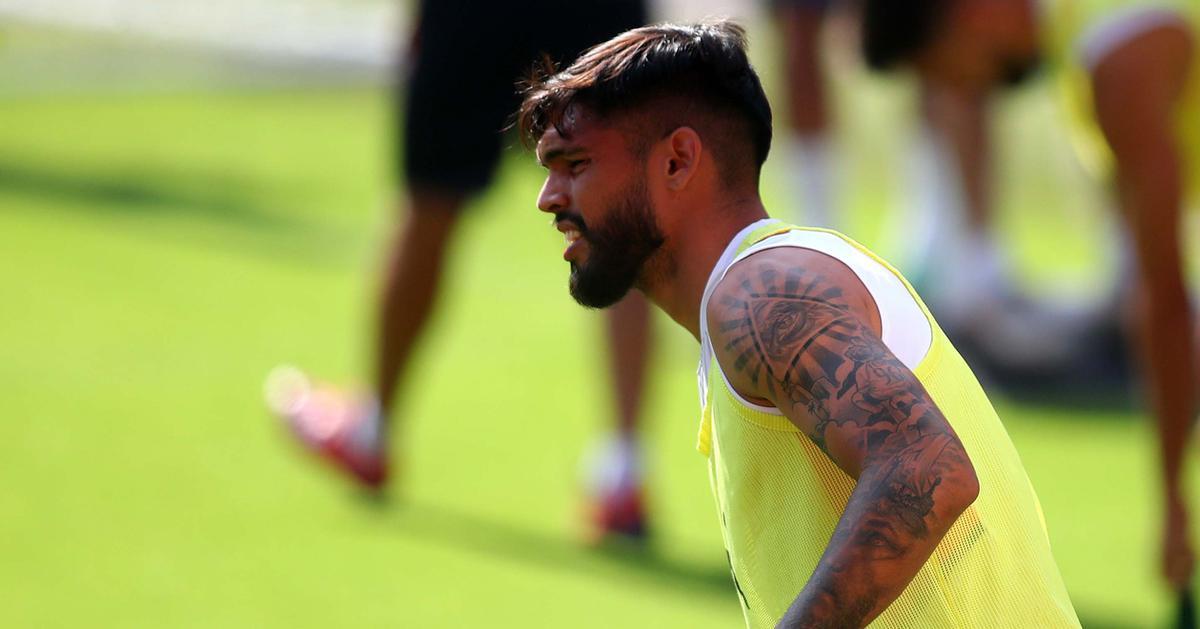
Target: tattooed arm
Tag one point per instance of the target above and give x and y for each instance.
(797, 329)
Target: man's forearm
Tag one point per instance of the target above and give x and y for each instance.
(896, 516)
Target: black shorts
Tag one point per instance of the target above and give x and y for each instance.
(468, 56)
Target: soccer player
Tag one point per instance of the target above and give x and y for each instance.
(1133, 81)
(860, 473)
(467, 55)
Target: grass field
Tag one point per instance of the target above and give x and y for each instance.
(162, 251)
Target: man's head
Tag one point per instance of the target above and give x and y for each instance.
(635, 133)
(971, 45)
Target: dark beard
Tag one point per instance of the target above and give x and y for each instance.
(618, 249)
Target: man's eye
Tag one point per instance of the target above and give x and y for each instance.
(576, 165)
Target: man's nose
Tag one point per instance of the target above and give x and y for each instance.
(552, 198)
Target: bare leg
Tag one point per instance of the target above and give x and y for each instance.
(411, 278)
(810, 155)
(970, 275)
(1136, 89)
(343, 428)
(962, 121)
(629, 338)
(617, 506)
(800, 28)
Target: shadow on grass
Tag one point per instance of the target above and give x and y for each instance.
(453, 528)
(450, 527)
(222, 200)
(214, 196)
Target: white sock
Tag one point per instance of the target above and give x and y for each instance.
(615, 464)
(974, 275)
(935, 217)
(961, 269)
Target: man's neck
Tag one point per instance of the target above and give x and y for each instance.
(696, 246)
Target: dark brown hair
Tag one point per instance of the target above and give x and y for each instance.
(694, 74)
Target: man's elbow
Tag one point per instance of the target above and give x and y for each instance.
(962, 488)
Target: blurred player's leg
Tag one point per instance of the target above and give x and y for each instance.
(629, 336)
(1137, 87)
(456, 104)
(949, 248)
(809, 150)
(1012, 337)
(451, 146)
(971, 276)
(618, 493)
(411, 277)
(350, 429)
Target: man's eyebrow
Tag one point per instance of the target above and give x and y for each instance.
(558, 153)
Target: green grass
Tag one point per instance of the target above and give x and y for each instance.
(162, 252)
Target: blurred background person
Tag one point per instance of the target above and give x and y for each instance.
(467, 58)
(1063, 346)
(1132, 67)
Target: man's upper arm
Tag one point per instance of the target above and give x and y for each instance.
(790, 326)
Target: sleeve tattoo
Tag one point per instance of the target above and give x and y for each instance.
(791, 337)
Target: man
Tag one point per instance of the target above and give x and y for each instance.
(1131, 73)
(860, 473)
(467, 56)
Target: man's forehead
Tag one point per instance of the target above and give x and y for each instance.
(550, 143)
(577, 118)
(578, 128)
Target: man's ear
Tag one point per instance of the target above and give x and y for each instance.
(684, 152)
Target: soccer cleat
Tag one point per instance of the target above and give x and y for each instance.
(619, 515)
(616, 501)
(344, 430)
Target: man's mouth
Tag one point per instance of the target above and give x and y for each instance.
(574, 241)
(573, 235)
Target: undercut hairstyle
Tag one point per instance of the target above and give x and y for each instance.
(895, 31)
(655, 79)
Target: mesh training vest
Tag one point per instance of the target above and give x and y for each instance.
(779, 497)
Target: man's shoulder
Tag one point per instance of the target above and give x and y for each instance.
(785, 273)
(770, 305)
